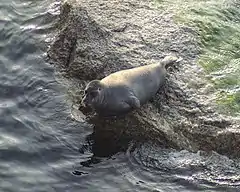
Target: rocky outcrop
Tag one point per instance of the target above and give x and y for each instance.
(95, 38)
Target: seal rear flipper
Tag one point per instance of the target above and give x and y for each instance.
(169, 60)
(133, 102)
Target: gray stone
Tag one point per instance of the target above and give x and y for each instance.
(97, 37)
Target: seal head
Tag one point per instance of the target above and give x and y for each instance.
(93, 94)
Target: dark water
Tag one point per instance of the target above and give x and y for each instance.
(40, 141)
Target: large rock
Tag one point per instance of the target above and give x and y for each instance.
(98, 37)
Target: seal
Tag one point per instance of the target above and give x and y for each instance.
(126, 90)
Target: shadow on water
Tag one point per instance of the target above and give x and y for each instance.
(107, 139)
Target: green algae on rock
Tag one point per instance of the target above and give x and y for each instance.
(217, 24)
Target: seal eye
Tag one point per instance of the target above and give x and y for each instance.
(94, 93)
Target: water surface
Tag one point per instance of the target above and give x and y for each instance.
(40, 142)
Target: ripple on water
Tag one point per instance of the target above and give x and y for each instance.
(194, 171)
(39, 141)
(28, 142)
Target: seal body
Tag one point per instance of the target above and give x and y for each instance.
(125, 90)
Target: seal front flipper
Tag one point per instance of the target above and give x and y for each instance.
(133, 102)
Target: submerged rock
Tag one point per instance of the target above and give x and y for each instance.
(95, 38)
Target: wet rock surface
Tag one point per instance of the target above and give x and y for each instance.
(96, 38)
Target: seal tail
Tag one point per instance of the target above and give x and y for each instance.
(169, 60)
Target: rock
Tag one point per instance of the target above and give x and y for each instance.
(95, 38)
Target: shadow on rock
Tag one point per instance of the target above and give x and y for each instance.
(116, 134)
